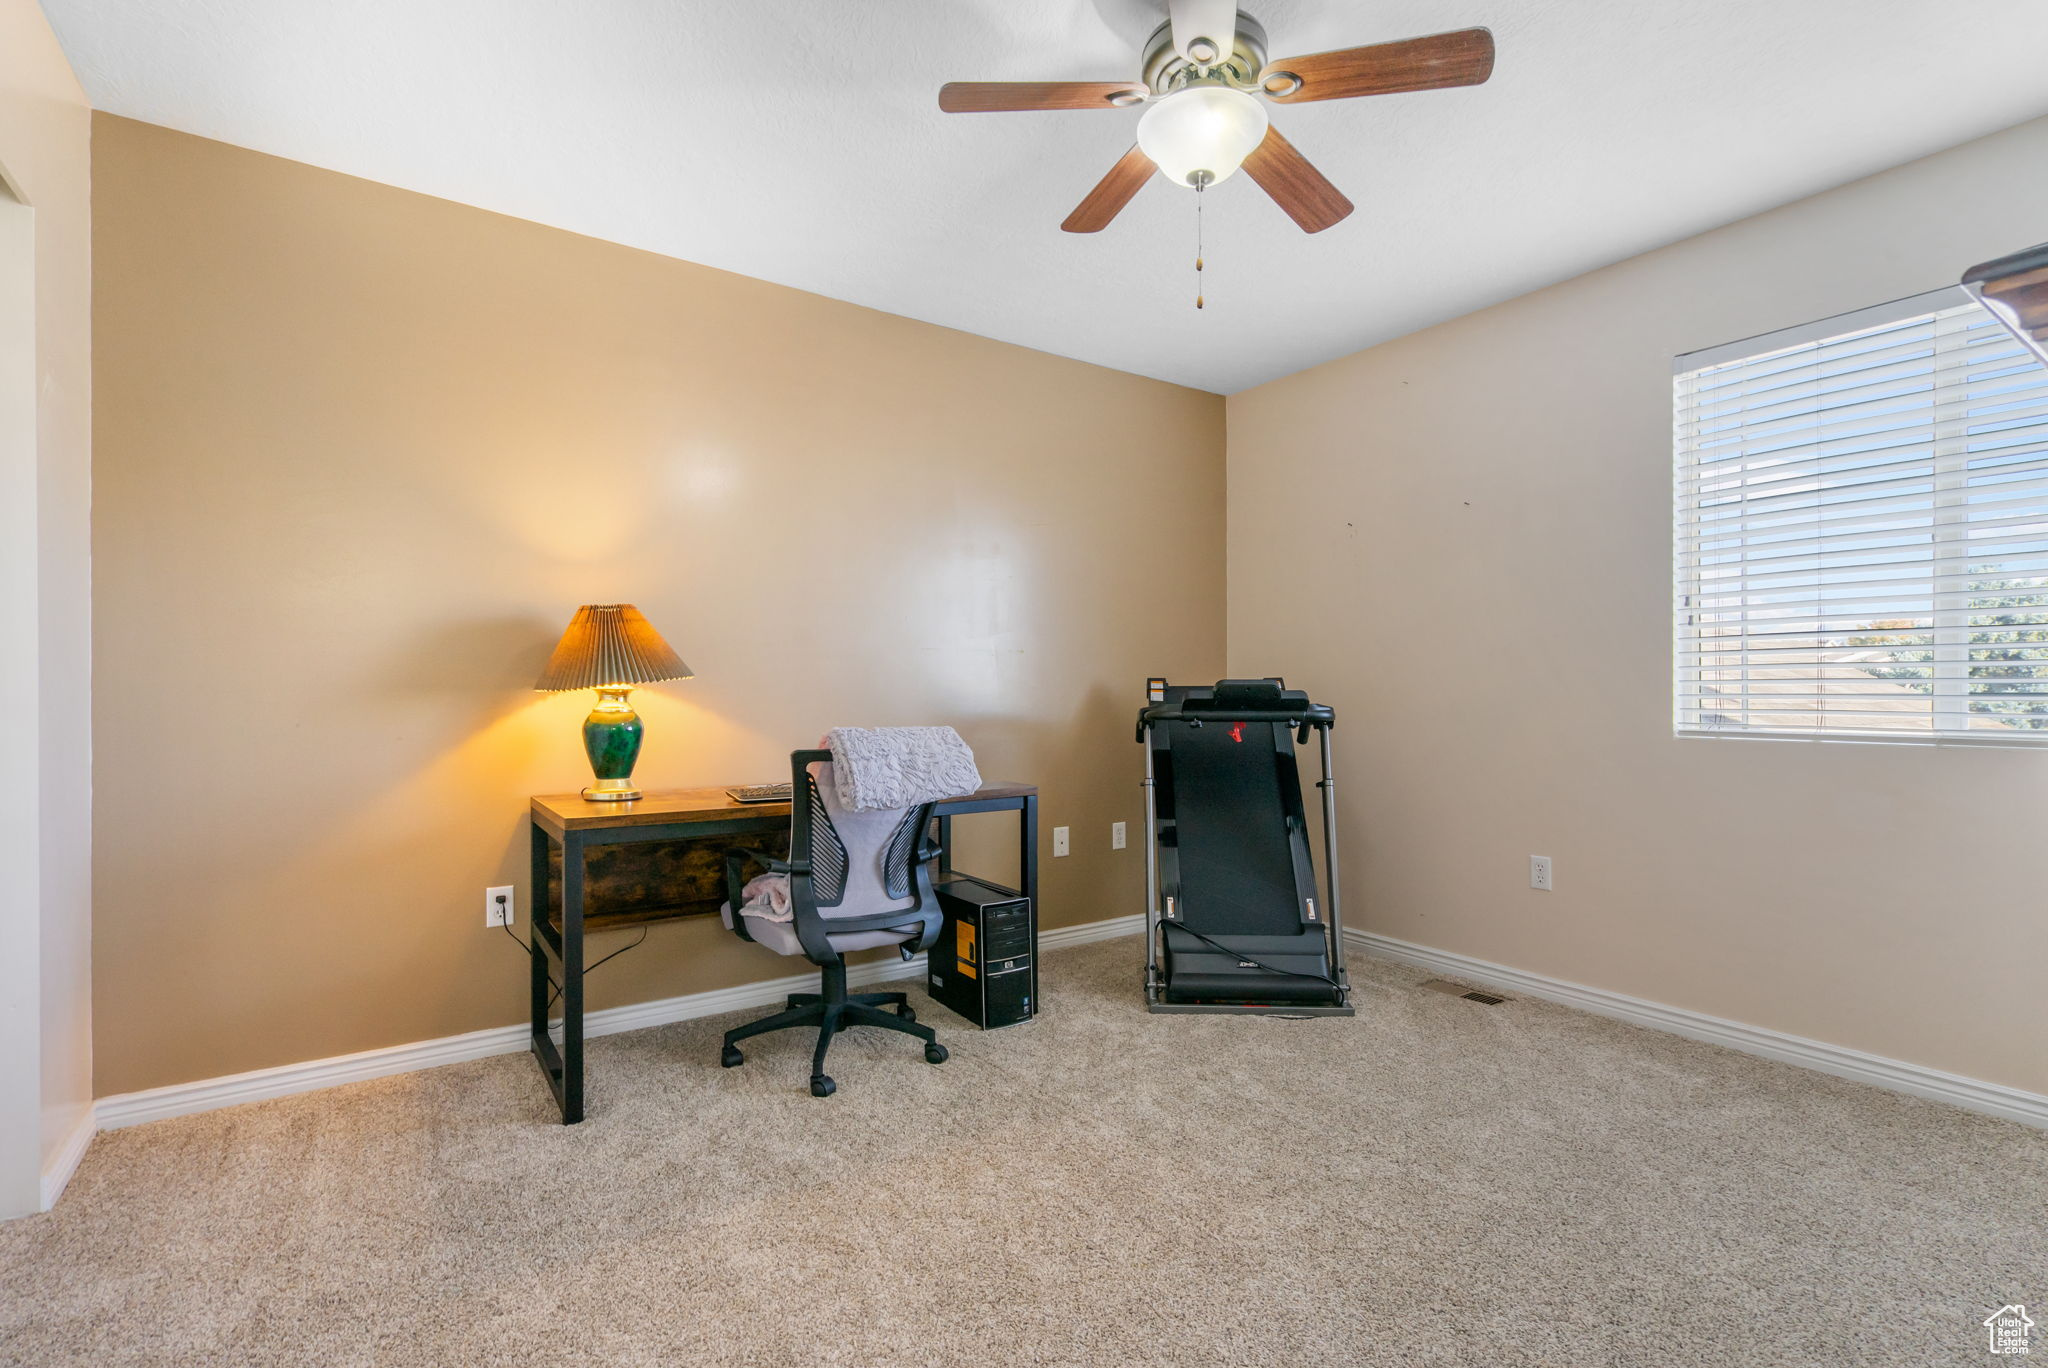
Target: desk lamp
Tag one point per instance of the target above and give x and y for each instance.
(610, 647)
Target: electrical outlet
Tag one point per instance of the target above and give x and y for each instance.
(498, 905)
(1060, 844)
(1539, 872)
(1116, 835)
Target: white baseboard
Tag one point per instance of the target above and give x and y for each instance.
(58, 1174)
(183, 1099)
(1990, 1098)
(1109, 928)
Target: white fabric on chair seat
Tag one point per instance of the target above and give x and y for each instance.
(780, 936)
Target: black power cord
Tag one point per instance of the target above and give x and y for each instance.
(505, 925)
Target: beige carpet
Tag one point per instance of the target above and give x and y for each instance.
(1433, 1182)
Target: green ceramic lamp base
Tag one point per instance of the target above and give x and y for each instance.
(611, 738)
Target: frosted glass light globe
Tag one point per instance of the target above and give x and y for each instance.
(1207, 129)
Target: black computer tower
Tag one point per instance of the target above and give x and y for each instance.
(985, 963)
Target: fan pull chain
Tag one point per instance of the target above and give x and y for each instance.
(1198, 243)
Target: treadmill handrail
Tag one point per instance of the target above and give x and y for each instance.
(1303, 715)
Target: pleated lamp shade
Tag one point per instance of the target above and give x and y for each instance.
(608, 645)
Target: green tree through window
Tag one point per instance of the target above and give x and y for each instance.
(2007, 653)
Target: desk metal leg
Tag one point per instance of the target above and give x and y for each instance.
(572, 979)
(537, 912)
(1027, 878)
(563, 1068)
(1027, 847)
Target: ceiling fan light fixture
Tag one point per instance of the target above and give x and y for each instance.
(2014, 289)
(1200, 135)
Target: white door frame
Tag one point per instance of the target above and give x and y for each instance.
(20, 714)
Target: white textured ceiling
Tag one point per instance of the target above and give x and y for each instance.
(800, 141)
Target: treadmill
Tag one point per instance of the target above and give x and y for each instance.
(1232, 920)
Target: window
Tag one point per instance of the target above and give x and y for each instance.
(1862, 531)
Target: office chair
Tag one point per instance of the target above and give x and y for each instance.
(856, 880)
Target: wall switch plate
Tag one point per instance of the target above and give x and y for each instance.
(495, 912)
(1060, 844)
(1116, 835)
(1539, 872)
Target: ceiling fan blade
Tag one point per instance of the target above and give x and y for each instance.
(996, 97)
(1461, 58)
(1311, 201)
(1111, 194)
(1211, 23)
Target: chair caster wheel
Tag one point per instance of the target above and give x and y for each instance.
(731, 1058)
(935, 1053)
(822, 1086)
(904, 1013)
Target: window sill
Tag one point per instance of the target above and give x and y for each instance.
(1843, 736)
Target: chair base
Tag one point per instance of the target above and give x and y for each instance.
(831, 1010)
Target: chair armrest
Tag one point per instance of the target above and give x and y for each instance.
(874, 921)
(736, 858)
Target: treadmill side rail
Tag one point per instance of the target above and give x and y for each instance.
(1335, 913)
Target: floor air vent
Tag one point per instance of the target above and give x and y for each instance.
(1459, 990)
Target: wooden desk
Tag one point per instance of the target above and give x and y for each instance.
(573, 840)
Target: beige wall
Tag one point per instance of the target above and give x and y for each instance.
(1462, 539)
(45, 603)
(361, 452)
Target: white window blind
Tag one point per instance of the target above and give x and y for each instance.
(1862, 531)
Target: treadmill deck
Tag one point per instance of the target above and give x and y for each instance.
(1281, 1009)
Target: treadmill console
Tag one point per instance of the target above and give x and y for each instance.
(1262, 694)
(1232, 700)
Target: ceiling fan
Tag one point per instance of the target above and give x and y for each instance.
(1201, 77)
